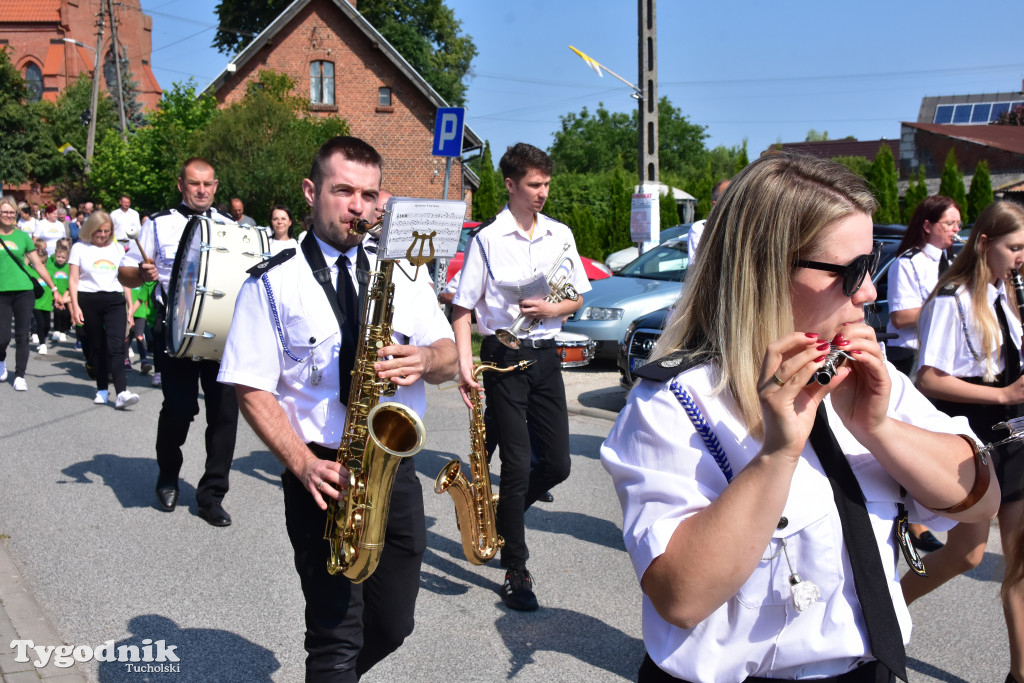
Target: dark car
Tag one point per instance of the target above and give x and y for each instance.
(643, 333)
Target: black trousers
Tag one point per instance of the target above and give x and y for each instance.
(42, 323)
(105, 318)
(17, 305)
(350, 627)
(872, 672)
(535, 396)
(182, 378)
(62, 319)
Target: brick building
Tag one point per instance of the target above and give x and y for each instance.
(36, 34)
(349, 70)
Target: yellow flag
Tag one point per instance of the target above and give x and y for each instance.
(591, 62)
(63, 149)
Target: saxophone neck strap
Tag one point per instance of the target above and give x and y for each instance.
(315, 259)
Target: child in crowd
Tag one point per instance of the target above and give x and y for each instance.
(57, 266)
(44, 305)
(140, 309)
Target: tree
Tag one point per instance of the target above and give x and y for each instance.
(490, 197)
(1013, 117)
(425, 32)
(980, 194)
(917, 191)
(262, 147)
(952, 184)
(129, 88)
(859, 165)
(19, 129)
(882, 175)
(815, 136)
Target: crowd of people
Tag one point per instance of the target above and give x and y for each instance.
(771, 462)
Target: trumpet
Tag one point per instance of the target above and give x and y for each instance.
(558, 278)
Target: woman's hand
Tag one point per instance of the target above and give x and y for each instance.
(76, 315)
(788, 403)
(860, 389)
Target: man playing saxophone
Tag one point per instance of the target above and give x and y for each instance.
(519, 244)
(289, 355)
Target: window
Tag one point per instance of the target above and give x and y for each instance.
(944, 113)
(384, 97)
(321, 82)
(34, 82)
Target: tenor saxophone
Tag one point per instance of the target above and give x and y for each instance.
(377, 437)
(474, 503)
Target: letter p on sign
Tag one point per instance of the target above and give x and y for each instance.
(448, 132)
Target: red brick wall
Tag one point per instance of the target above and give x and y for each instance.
(41, 42)
(932, 149)
(403, 133)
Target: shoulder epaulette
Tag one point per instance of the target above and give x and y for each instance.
(474, 231)
(165, 212)
(947, 290)
(910, 253)
(671, 365)
(273, 262)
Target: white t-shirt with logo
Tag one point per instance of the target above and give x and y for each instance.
(97, 266)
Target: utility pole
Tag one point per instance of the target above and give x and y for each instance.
(116, 49)
(647, 107)
(91, 142)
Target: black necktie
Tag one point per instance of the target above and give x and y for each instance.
(869, 580)
(348, 301)
(1011, 358)
(943, 263)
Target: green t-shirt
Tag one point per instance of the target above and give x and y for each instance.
(13, 277)
(59, 274)
(45, 302)
(143, 294)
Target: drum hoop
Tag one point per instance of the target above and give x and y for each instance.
(195, 315)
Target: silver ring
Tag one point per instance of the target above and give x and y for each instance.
(320, 487)
(775, 378)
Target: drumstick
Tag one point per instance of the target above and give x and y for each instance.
(133, 234)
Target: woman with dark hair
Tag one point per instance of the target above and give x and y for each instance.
(760, 505)
(16, 292)
(922, 258)
(283, 225)
(969, 364)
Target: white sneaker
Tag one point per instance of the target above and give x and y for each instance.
(131, 354)
(102, 396)
(61, 337)
(34, 339)
(156, 379)
(3, 373)
(20, 384)
(125, 399)
(41, 350)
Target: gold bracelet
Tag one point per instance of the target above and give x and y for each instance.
(982, 478)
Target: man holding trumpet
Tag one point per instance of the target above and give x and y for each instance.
(521, 245)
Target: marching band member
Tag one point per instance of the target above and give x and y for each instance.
(969, 365)
(182, 377)
(287, 355)
(517, 244)
(759, 504)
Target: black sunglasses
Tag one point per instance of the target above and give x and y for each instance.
(853, 273)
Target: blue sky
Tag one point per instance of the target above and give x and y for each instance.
(760, 71)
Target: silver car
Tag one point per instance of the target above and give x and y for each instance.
(617, 260)
(652, 281)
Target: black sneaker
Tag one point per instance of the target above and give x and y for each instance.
(517, 591)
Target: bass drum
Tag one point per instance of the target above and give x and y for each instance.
(208, 271)
(575, 350)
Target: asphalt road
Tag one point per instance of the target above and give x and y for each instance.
(78, 510)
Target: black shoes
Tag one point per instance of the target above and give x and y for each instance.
(215, 515)
(926, 542)
(167, 497)
(546, 497)
(517, 591)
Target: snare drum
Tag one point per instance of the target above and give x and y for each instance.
(575, 350)
(208, 271)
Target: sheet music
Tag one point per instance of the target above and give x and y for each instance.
(410, 220)
(534, 287)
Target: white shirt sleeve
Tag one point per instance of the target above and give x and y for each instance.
(904, 291)
(252, 354)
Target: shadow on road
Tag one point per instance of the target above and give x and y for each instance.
(577, 525)
(205, 654)
(926, 669)
(260, 465)
(131, 479)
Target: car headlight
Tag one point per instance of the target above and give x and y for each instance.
(597, 313)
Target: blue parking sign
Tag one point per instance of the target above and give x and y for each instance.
(448, 131)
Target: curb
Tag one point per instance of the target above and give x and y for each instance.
(23, 618)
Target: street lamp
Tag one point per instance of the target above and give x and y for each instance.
(91, 141)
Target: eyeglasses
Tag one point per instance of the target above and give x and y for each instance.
(853, 273)
(952, 224)
(8, 213)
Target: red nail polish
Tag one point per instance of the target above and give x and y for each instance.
(839, 338)
(855, 351)
(811, 335)
(845, 342)
(820, 358)
(822, 346)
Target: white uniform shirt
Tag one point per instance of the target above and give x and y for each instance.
(277, 246)
(513, 257)
(911, 280)
(160, 237)
(51, 232)
(944, 344)
(122, 220)
(98, 266)
(287, 358)
(693, 239)
(663, 474)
